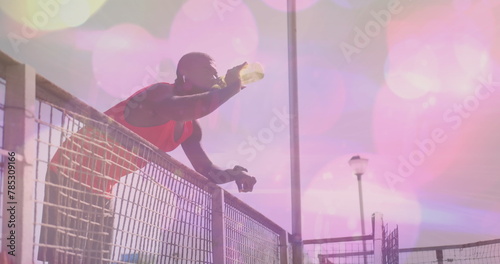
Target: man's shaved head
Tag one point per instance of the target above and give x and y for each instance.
(187, 61)
(196, 73)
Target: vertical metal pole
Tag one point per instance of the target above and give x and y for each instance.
(218, 226)
(283, 249)
(294, 134)
(377, 225)
(19, 172)
(361, 210)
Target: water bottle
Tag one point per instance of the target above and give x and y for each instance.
(251, 73)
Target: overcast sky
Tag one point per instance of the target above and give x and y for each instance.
(410, 85)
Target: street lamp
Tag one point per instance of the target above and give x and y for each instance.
(358, 165)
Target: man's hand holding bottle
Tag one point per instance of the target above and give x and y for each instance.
(242, 75)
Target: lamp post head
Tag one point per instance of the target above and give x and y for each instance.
(358, 165)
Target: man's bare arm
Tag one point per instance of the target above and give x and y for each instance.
(191, 107)
(199, 159)
(204, 166)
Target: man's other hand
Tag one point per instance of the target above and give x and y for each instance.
(244, 181)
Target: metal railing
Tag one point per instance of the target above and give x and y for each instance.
(345, 250)
(484, 252)
(160, 211)
(383, 248)
(368, 249)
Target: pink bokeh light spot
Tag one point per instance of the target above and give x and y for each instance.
(473, 58)
(462, 5)
(448, 49)
(126, 58)
(229, 35)
(421, 142)
(352, 4)
(411, 70)
(50, 15)
(198, 10)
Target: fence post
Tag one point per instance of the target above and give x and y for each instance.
(377, 225)
(283, 246)
(19, 170)
(218, 226)
(439, 256)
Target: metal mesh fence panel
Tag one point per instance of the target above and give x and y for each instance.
(486, 252)
(390, 245)
(418, 257)
(247, 240)
(100, 199)
(338, 253)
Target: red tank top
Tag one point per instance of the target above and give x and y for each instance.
(99, 162)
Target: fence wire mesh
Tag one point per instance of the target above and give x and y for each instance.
(247, 240)
(339, 253)
(390, 245)
(487, 252)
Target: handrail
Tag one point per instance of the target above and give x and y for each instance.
(468, 245)
(247, 209)
(337, 239)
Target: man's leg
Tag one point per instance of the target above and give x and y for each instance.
(47, 240)
(64, 220)
(99, 234)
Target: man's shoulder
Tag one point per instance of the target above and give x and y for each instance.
(163, 85)
(160, 87)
